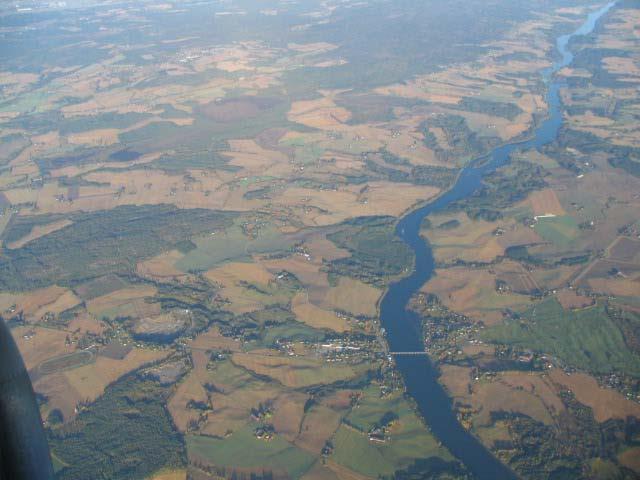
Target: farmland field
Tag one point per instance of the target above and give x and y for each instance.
(199, 212)
(276, 454)
(585, 338)
(558, 230)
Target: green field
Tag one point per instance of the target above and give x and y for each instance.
(66, 362)
(292, 331)
(228, 245)
(302, 372)
(408, 441)
(103, 120)
(372, 407)
(586, 339)
(244, 450)
(226, 373)
(100, 286)
(186, 158)
(306, 153)
(561, 231)
(355, 451)
(57, 463)
(28, 103)
(205, 133)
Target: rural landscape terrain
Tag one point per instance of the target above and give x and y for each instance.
(198, 202)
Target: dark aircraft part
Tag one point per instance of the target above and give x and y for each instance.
(24, 452)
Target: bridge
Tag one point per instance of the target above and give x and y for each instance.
(408, 353)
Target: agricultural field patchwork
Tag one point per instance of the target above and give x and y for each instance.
(532, 312)
(198, 225)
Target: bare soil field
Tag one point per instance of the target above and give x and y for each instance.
(353, 296)
(161, 267)
(232, 408)
(212, 339)
(317, 47)
(233, 278)
(255, 159)
(606, 403)
(625, 249)
(498, 396)
(190, 389)
(36, 303)
(294, 372)
(472, 241)
(569, 299)
(456, 379)
(306, 270)
(64, 302)
(85, 323)
(319, 425)
(38, 344)
(631, 459)
(545, 202)
(517, 278)
(537, 384)
(322, 113)
(97, 138)
(239, 271)
(521, 392)
(233, 110)
(322, 208)
(605, 271)
(62, 396)
(615, 286)
(315, 316)
(288, 414)
(172, 475)
(557, 277)
(129, 300)
(324, 249)
(473, 293)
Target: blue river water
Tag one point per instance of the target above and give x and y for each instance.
(403, 328)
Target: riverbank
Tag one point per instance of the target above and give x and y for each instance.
(402, 326)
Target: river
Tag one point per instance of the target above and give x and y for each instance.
(403, 328)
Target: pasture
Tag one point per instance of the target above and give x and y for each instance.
(276, 454)
(587, 339)
(408, 439)
(560, 231)
(297, 372)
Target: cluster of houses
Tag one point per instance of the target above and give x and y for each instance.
(264, 412)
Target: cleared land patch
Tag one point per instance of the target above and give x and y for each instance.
(353, 296)
(585, 338)
(296, 372)
(276, 455)
(315, 316)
